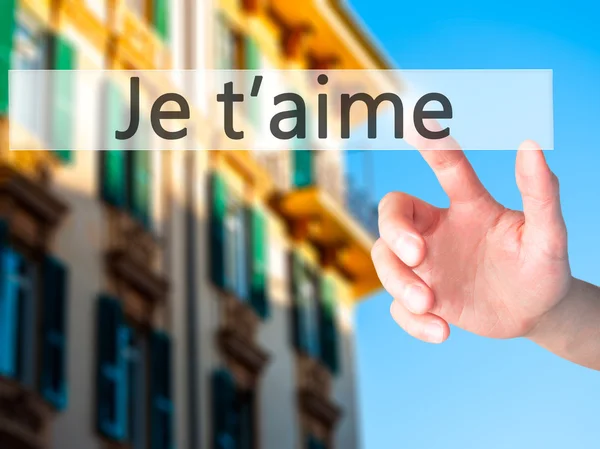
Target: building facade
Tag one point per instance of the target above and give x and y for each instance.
(175, 299)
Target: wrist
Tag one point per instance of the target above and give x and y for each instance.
(547, 323)
(570, 328)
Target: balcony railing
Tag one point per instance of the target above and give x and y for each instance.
(299, 169)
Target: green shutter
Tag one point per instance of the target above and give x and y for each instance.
(217, 229)
(113, 167)
(62, 57)
(141, 186)
(160, 387)
(7, 29)
(328, 326)
(9, 295)
(140, 177)
(113, 162)
(53, 380)
(252, 59)
(111, 397)
(223, 400)
(258, 263)
(299, 337)
(303, 168)
(161, 18)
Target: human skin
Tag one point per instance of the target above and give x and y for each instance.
(487, 269)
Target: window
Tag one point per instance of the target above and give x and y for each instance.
(304, 307)
(136, 360)
(125, 176)
(230, 46)
(244, 409)
(17, 298)
(33, 292)
(134, 395)
(238, 239)
(33, 48)
(328, 331)
(234, 421)
(314, 324)
(309, 307)
(29, 53)
(235, 248)
(315, 443)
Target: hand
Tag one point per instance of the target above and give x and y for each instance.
(477, 265)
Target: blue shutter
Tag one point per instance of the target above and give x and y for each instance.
(9, 294)
(53, 380)
(113, 338)
(160, 381)
(314, 443)
(224, 420)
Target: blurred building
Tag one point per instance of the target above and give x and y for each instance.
(176, 299)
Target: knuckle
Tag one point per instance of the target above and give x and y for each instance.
(388, 200)
(377, 249)
(554, 182)
(386, 224)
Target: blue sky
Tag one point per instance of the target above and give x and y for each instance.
(473, 392)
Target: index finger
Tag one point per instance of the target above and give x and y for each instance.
(450, 165)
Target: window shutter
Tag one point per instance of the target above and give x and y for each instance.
(140, 177)
(7, 29)
(160, 381)
(223, 398)
(299, 337)
(113, 163)
(217, 229)
(328, 327)
(303, 168)
(53, 380)
(161, 18)
(112, 386)
(252, 58)
(9, 295)
(62, 57)
(258, 262)
(314, 443)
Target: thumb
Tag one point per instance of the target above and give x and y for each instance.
(544, 224)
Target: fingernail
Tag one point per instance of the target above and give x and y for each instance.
(434, 333)
(415, 298)
(409, 249)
